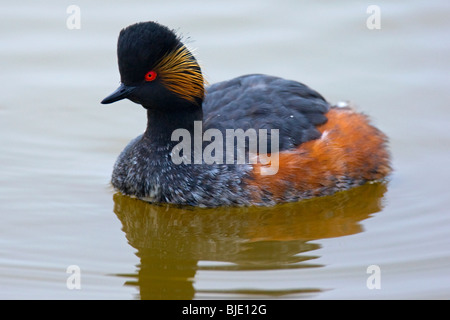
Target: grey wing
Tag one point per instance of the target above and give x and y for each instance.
(265, 102)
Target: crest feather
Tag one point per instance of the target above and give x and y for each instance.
(180, 73)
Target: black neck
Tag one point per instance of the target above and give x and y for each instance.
(161, 124)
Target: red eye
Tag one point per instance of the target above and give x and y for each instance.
(150, 76)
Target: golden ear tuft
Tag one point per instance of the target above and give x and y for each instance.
(180, 73)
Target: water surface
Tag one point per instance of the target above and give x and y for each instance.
(58, 146)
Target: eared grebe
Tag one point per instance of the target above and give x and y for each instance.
(199, 146)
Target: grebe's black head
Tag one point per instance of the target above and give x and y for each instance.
(156, 69)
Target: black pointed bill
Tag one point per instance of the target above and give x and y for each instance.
(121, 92)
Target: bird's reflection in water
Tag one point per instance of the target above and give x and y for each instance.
(170, 241)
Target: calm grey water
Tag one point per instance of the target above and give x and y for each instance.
(58, 145)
